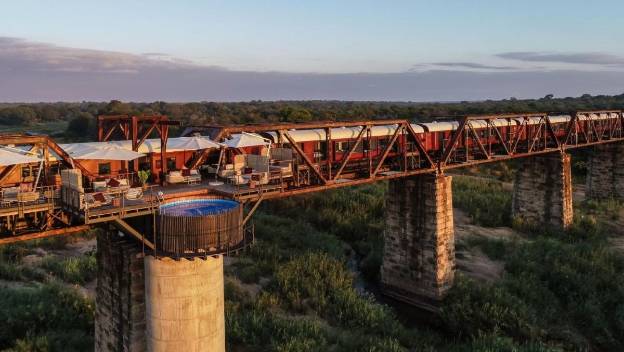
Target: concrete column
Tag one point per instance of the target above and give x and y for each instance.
(184, 304)
(419, 244)
(120, 294)
(543, 191)
(605, 173)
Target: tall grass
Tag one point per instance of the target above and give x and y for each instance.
(484, 200)
(76, 270)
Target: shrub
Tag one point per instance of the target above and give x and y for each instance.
(46, 315)
(76, 270)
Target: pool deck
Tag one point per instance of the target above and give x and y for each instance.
(122, 208)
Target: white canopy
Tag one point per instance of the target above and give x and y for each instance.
(8, 157)
(104, 152)
(149, 145)
(242, 140)
(191, 143)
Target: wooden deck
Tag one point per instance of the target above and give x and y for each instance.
(149, 203)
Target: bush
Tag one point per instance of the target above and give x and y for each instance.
(76, 270)
(49, 317)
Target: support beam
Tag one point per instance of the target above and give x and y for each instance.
(45, 234)
(543, 191)
(127, 229)
(419, 246)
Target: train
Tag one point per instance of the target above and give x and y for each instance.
(434, 136)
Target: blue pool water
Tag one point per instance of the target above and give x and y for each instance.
(197, 207)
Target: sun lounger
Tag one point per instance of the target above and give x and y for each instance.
(134, 193)
(94, 200)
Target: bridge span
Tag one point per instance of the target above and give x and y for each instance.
(160, 261)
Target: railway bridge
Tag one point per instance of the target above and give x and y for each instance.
(160, 276)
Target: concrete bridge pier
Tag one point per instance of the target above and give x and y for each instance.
(542, 192)
(145, 303)
(419, 249)
(605, 172)
(184, 304)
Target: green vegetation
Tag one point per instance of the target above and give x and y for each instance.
(485, 200)
(80, 117)
(46, 317)
(76, 270)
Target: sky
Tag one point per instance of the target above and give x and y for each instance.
(284, 50)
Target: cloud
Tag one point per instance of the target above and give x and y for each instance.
(591, 58)
(31, 71)
(472, 65)
(20, 54)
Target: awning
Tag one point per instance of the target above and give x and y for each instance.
(109, 152)
(8, 157)
(242, 140)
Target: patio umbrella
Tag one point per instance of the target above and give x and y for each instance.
(242, 140)
(191, 143)
(108, 152)
(8, 157)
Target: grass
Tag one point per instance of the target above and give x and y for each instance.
(484, 200)
(75, 270)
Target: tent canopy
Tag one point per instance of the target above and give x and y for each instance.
(8, 157)
(109, 152)
(242, 140)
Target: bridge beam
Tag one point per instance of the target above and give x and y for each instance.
(605, 172)
(542, 194)
(419, 241)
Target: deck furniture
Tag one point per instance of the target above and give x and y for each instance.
(134, 193)
(98, 199)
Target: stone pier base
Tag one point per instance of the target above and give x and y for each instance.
(543, 191)
(120, 294)
(184, 304)
(419, 250)
(605, 172)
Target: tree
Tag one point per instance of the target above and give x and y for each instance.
(81, 126)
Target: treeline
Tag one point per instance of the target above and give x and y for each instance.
(81, 116)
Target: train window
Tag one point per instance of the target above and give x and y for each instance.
(104, 169)
(171, 163)
(26, 171)
(373, 144)
(359, 148)
(322, 147)
(383, 143)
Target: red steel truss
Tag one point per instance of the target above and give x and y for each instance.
(405, 151)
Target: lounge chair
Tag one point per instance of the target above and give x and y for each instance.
(115, 185)
(191, 176)
(175, 177)
(98, 199)
(134, 193)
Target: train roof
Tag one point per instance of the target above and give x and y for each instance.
(318, 134)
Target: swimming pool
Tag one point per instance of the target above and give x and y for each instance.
(197, 207)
